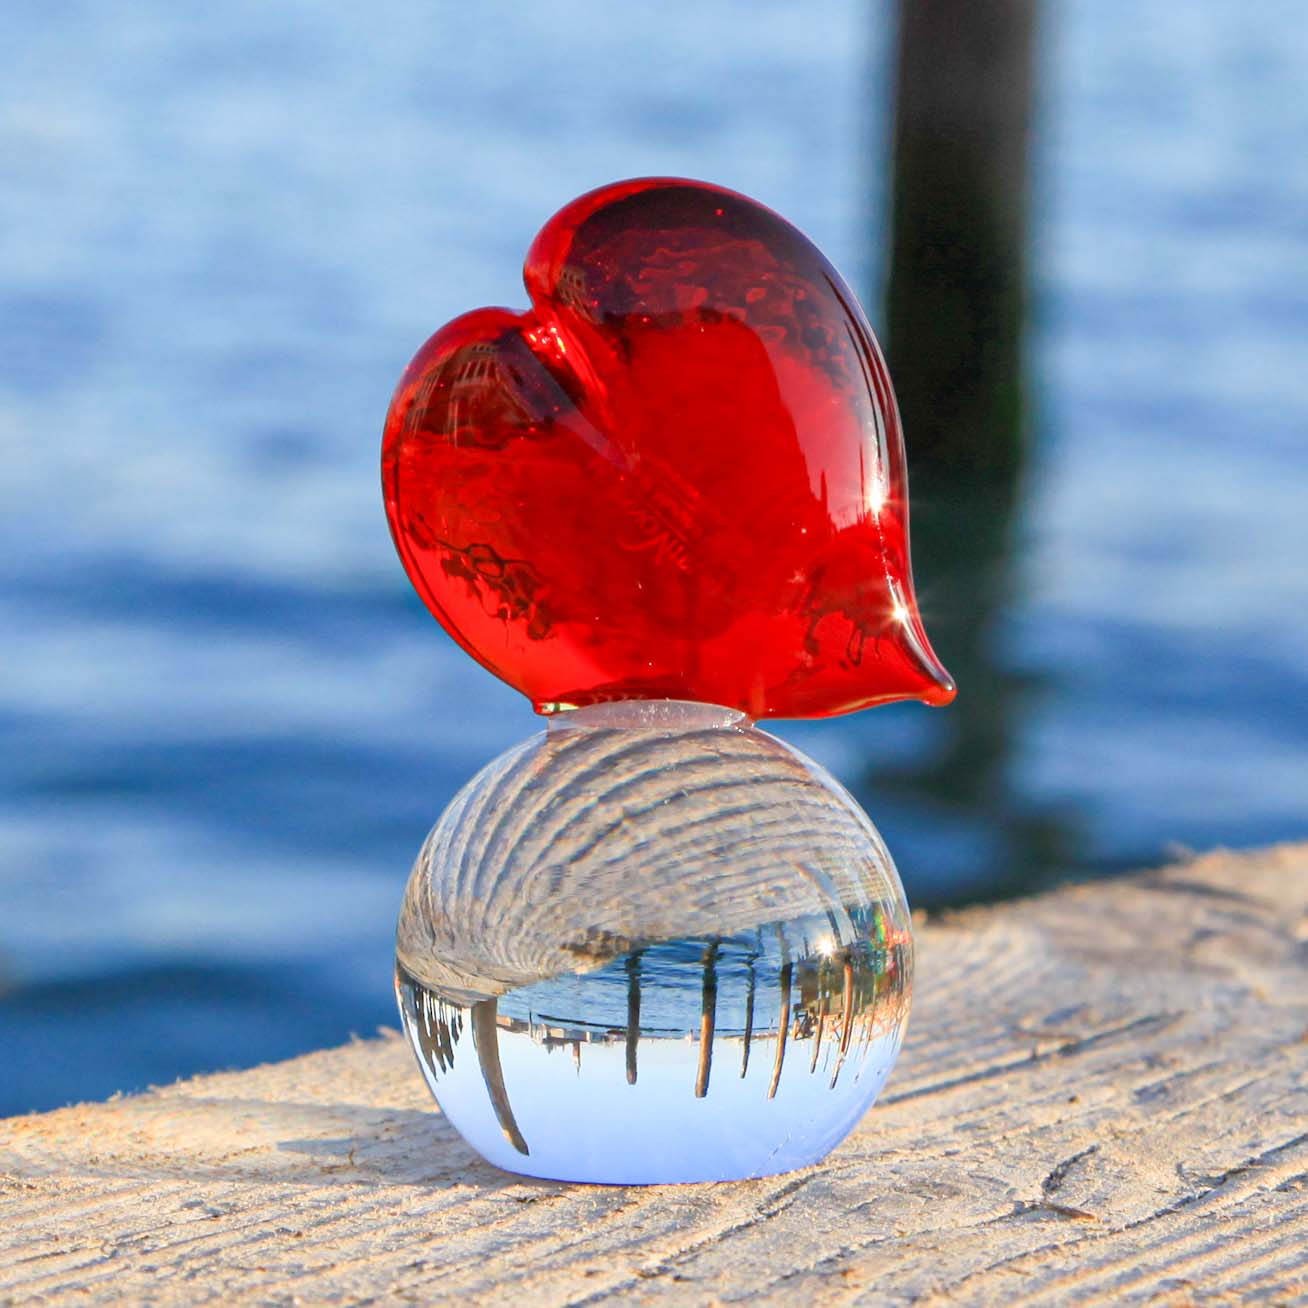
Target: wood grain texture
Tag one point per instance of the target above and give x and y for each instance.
(1103, 1100)
(587, 824)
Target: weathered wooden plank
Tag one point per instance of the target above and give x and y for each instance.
(1103, 1100)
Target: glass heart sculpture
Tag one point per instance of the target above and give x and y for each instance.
(679, 475)
(667, 500)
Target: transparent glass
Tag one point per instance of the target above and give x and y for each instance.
(653, 944)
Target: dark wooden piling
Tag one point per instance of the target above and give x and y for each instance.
(955, 316)
(956, 290)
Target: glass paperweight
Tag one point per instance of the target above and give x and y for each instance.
(664, 501)
(654, 943)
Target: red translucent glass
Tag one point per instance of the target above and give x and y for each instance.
(679, 475)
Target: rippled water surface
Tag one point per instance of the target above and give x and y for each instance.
(228, 723)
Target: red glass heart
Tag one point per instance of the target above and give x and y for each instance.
(680, 475)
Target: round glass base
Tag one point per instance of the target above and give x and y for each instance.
(654, 944)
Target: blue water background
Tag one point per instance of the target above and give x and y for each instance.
(227, 721)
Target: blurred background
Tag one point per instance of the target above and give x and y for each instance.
(227, 720)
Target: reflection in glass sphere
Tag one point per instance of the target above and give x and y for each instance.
(654, 944)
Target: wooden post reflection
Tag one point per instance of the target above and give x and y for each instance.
(783, 1027)
(447, 1032)
(633, 1014)
(846, 1017)
(749, 1019)
(486, 1040)
(817, 1034)
(428, 1028)
(847, 1006)
(707, 1021)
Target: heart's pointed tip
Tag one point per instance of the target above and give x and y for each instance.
(938, 688)
(942, 691)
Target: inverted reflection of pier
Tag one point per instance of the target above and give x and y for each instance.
(827, 996)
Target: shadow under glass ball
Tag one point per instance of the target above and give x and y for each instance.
(654, 944)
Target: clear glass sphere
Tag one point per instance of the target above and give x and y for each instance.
(653, 944)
